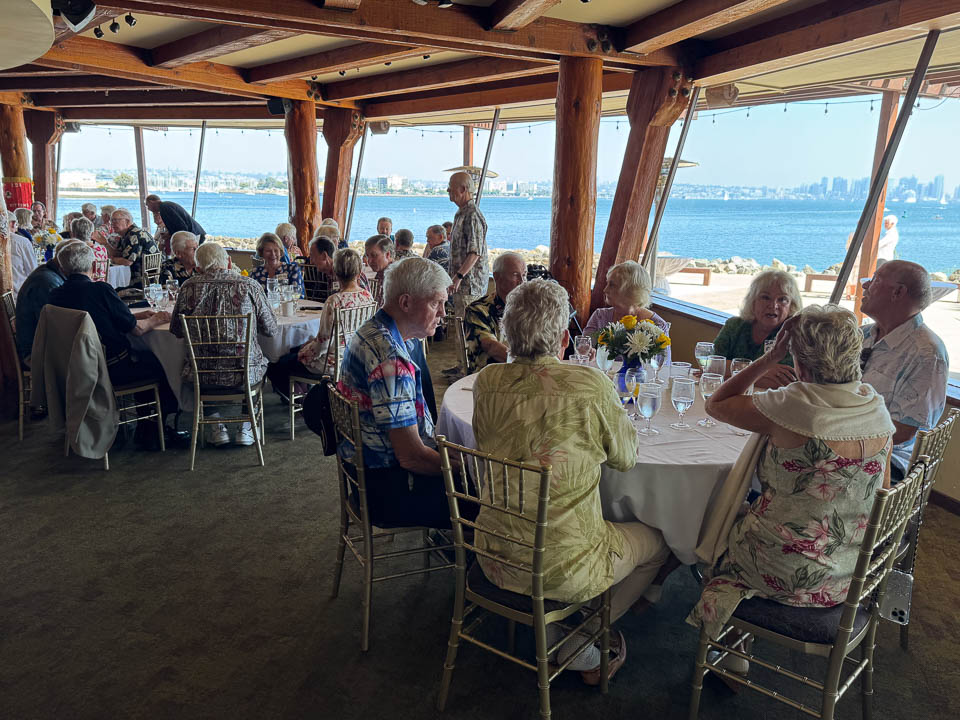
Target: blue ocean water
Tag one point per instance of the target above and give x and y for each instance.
(793, 231)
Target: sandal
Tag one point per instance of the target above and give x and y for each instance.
(618, 655)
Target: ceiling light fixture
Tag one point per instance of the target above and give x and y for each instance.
(76, 14)
(114, 27)
(97, 32)
(130, 20)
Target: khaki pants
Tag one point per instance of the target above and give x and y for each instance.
(460, 302)
(644, 552)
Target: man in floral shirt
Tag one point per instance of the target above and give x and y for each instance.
(134, 244)
(468, 245)
(437, 247)
(481, 321)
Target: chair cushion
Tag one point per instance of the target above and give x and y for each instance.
(813, 625)
(477, 582)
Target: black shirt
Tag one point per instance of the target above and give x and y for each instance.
(108, 312)
(175, 219)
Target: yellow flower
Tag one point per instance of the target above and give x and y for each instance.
(629, 321)
(245, 273)
(663, 340)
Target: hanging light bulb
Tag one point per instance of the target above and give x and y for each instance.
(421, 133)
(748, 112)
(871, 106)
(529, 131)
(714, 119)
(784, 107)
(825, 108)
(114, 27)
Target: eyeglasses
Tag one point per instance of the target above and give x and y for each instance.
(865, 357)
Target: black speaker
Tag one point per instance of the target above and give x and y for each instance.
(278, 106)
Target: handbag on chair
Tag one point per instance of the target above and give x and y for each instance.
(319, 418)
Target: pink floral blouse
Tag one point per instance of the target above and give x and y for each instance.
(100, 254)
(314, 355)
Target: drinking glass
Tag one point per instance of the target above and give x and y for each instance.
(272, 285)
(703, 351)
(631, 378)
(581, 348)
(655, 362)
(679, 370)
(716, 365)
(738, 364)
(604, 361)
(709, 382)
(682, 394)
(648, 403)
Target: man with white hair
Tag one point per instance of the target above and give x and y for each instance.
(887, 245)
(380, 371)
(902, 358)
(34, 294)
(133, 245)
(175, 217)
(481, 321)
(23, 260)
(183, 265)
(468, 245)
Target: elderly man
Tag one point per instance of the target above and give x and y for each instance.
(379, 252)
(380, 371)
(468, 245)
(322, 249)
(902, 358)
(175, 217)
(481, 321)
(437, 247)
(23, 260)
(385, 227)
(40, 219)
(183, 265)
(134, 243)
(114, 321)
(404, 243)
(34, 294)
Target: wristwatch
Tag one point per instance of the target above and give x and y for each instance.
(459, 276)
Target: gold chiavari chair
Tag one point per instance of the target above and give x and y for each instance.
(454, 326)
(23, 374)
(316, 285)
(932, 444)
(352, 482)
(833, 633)
(150, 269)
(376, 289)
(346, 322)
(218, 347)
(520, 492)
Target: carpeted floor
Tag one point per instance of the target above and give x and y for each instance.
(150, 592)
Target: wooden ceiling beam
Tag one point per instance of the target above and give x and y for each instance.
(688, 19)
(860, 29)
(517, 14)
(341, 4)
(434, 77)
(213, 43)
(72, 83)
(342, 58)
(186, 112)
(122, 98)
(35, 70)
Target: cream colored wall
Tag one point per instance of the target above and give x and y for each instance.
(948, 478)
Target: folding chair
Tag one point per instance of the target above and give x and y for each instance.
(23, 374)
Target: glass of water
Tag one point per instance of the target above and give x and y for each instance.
(738, 364)
(702, 352)
(631, 379)
(709, 382)
(716, 365)
(582, 345)
(604, 361)
(682, 394)
(648, 403)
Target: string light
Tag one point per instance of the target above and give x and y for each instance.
(748, 112)
(871, 106)
(826, 107)
(784, 107)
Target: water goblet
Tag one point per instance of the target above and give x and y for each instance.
(716, 365)
(654, 363)
(631, 378)
(679, 370)
(702, 351)
(709, 382)
(682, 394)
(604, 361)
(738, 364)
(648, 403)
(582, 345)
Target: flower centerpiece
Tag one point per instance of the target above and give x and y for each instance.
(636, 341)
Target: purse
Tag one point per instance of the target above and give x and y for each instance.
(318, 417)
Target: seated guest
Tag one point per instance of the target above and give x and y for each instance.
(539, 410)
(826, 444)
(217, 290)
(114, 322)
(404, 484)
(33, 295)
(772, 298)
(68, 219)
(437, 247)
(104, 232)
(448, 228)
(183, 265)
(106, 212)
(161, 236)
(134, 243)
(628, 292)
(482, 328)
(89, 211)
(322, 249)
(316, 357)
(271, 250)
(379, 253)
(288, 236)
(385, 227)
(81, 229)
(903, 359)
(24, 222)
(332, 231)
(40, 219)
(23, 260)
(404, 243)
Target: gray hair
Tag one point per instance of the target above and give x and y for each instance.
(404, 237)
(180, 238)
(286, 229)
(764, 281)
(536, 314)
(438, 230)
(384, 219)
(501, 260)
(211, 256)
(76, 257)
(109, 209)
(827, 342)
(330, 222)
(414, 276)
(24, 217)
(347, 264)
(632, 281)
(331, 232)
(915, 278)
(60, 247)
(88, 206)
(122, 212)
(892, 219)
(468, 182)
(383, 242)
(81, 229)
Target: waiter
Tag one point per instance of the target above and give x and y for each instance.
(175, 217)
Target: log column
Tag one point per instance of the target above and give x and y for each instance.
(657, 98)
(44, 130)
(467, 145)
(342, 128)
(574, 206)
(300, 130)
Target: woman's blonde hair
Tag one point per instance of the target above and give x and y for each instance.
(631, 281)
(827, 343)
(783, 281)
(347, 264)
(269, 237)
(286, 229)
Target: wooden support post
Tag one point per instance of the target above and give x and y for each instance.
(467, 145)
(868, 254)
(657, 98)
(341, 129)
(574, 209)
(143, 191)
(44, 130)
(300, 130)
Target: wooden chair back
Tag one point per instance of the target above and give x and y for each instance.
(150, 269)
(346, 323)
(316, 285)
(218, 345)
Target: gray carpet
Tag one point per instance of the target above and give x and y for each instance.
(149, 592)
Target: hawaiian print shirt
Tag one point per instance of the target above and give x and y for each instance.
(134, 244)
(173, 269)
(908, 367)
(290, 269)
(469, 235)
(379, 372)
(481, 320)
(440, 254)
(315, 355)
(224, 292)
(404, 253)
(540, 410)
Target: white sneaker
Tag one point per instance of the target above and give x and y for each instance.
(733, 663)
(245, 435)
(219, 435)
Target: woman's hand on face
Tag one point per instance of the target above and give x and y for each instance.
(781, 345)
(777, 376)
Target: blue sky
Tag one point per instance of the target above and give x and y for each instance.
(768, 147)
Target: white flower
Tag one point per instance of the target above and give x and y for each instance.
(616, 327)
(639, 343)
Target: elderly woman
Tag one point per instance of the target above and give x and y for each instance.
(89, 211)
(82, 229)
(772, 298)
(331, 232)
(183, 265)
(219, 291)
(537, 409)
(288, 236)
(24, 222)
(271, 249)
(67, 233)
(823, 449)
(23, 260)
(104, 233)
(628, 292)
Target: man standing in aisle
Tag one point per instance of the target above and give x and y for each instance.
(175, 217)
(468, 245)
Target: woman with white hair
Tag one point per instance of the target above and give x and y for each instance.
(542, 411)
(104, 232)
(82, 229)
(823, 447)
(24, 222)
(23, 260)
(330, 231)
(271, 249)
(183, 265)
(288, 236)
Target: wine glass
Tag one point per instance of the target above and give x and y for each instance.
(648, 403)
(716, 365)
(703, 351)
(581, 348)
(679, 370)
(709, 382)
(682, 394)
(604, 361)
(738, 364)
(631, 378)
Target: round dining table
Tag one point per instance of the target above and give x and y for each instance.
(118, 275)
(677, 475)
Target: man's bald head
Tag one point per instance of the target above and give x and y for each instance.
(461, 188)
(914, 278)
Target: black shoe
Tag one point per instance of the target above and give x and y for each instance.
(176, 438)
(145, 437)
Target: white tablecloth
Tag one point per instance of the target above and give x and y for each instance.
(671, 486)
(118, 275)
